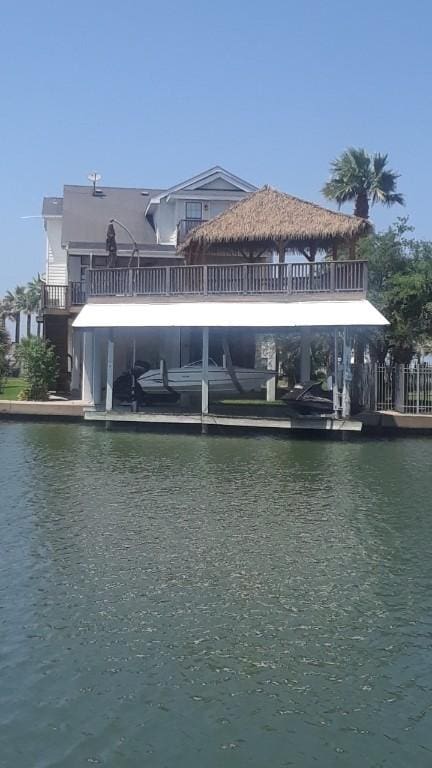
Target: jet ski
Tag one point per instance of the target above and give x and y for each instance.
(309, 398)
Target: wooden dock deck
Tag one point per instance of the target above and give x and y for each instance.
(238, 421)
(385, 422)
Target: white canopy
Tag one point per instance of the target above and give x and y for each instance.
(252, 314)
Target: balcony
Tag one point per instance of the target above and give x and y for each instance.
(302, 279)
(63, 297)
(185, 226)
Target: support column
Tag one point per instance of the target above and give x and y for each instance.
(204, 380)
(76, 361)
(97, 373)
(336, 399)
(185, 346)
(87, 374)
(346, 396)
(305, 354)
(271, 366)
(110, 372)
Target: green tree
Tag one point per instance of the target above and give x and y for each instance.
(400, 286)
(4, 356)
(30, 300)
(13, 302)
(39, 365)
(362, 178)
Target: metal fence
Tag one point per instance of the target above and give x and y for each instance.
(415, 388)
(384, 387)
(403, 388)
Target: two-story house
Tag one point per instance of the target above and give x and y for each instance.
(197, 272)
(150, 224)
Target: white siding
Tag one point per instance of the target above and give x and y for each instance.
(220, 184)
(56, 256)
(166, 222)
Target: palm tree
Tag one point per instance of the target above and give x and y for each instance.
(13, 301)
(363, 178)
(4, 361)
(31, 300)
(3, 314)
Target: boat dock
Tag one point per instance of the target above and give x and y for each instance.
(377, 422)
(239, 421)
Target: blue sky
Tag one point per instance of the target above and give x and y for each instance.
(149, 93)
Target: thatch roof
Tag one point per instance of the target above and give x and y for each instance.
(270, 216)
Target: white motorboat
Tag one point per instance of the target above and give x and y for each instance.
(188, 379)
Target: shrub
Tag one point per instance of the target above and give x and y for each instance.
(39, 365)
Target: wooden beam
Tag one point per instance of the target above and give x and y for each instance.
(281, 246)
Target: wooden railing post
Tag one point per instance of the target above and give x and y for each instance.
(289, 278)
(333, 276)
(87, 283)
(205, 280)
(130, 282)
(167, 280)
(365, 277)
(244, 273)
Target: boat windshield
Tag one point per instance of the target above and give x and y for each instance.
(198, 364)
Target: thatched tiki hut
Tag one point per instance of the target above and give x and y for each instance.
(269, 221)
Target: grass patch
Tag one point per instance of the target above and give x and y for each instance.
(12, 389)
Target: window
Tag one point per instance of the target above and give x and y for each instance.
(194, 210)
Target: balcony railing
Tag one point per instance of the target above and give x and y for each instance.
(185, 226)
(63, 296)
(77, 295)
(238, 279)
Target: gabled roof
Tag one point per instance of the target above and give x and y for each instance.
(272, 216)
(206, 177)
(86, 216)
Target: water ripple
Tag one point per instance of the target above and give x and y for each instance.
(174, 600)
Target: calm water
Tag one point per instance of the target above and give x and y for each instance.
(178, 601)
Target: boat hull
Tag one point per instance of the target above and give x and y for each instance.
(189, 379)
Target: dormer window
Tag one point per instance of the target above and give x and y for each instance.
(194, 210)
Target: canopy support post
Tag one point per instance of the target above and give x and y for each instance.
(76, 354)
(271, 385)
(305, 354)
(204, 378)
(97, 373)
(87, 372)
(347, 376)
(110, 373)
(336, 396)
